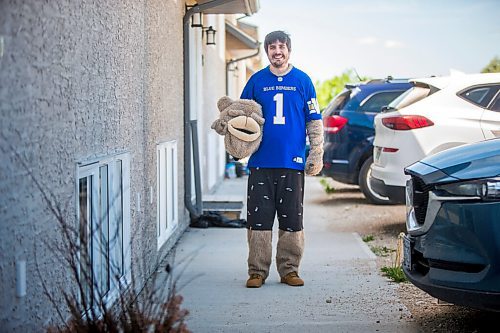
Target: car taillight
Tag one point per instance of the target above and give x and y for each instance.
(405, 123)
(333, 124)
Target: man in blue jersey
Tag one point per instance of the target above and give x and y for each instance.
(276, 180)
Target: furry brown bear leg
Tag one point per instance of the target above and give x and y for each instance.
(260, 249)
(289, 251)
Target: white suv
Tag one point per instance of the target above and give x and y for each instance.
(436, 114)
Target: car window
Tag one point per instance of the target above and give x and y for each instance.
(481, 95)
(495, 105)
(337, 103)
(375, 102)
(412, 95)
(477, 95)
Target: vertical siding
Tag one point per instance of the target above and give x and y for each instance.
(79, 80)
(214, 87)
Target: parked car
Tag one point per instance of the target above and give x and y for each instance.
(348, 127)
(436, 114)
(452, 246)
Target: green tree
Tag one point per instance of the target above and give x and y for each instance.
(493, 66)
(328, 89)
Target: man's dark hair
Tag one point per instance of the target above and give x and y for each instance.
(280, 36)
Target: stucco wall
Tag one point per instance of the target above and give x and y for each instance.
(80, 80)
(163, 88)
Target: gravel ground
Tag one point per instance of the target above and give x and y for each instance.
(384, 224)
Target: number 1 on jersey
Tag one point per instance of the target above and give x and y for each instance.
(278, 118)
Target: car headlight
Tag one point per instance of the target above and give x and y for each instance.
(486, 189)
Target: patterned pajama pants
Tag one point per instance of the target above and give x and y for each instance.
(271, 193)
(275, 191)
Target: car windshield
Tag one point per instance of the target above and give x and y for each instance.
(410, 96)
(376, 101)
(338, 102)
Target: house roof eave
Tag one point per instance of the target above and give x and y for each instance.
(243, 40)
(247, 7)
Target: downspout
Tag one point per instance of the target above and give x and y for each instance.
(232, 61)
(190, 126)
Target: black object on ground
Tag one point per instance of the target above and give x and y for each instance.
(216, 219)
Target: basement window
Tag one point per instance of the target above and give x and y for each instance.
(167, 198)
(104, 221)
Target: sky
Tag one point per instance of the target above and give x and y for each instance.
(377, 38)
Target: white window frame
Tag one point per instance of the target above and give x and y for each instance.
(117, 218)
(167, 191)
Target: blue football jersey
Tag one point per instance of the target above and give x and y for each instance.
(288, 103)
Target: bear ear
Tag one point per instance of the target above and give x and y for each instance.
(224, 102)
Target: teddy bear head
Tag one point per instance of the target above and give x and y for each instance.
(240, 122)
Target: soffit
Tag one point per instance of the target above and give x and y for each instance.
(237, 39)
(248, 7)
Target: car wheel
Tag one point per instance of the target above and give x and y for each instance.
(365, 187)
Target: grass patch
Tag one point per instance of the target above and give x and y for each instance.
(396, 274)
(381, 251)
(326, 185)
(368, 238)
